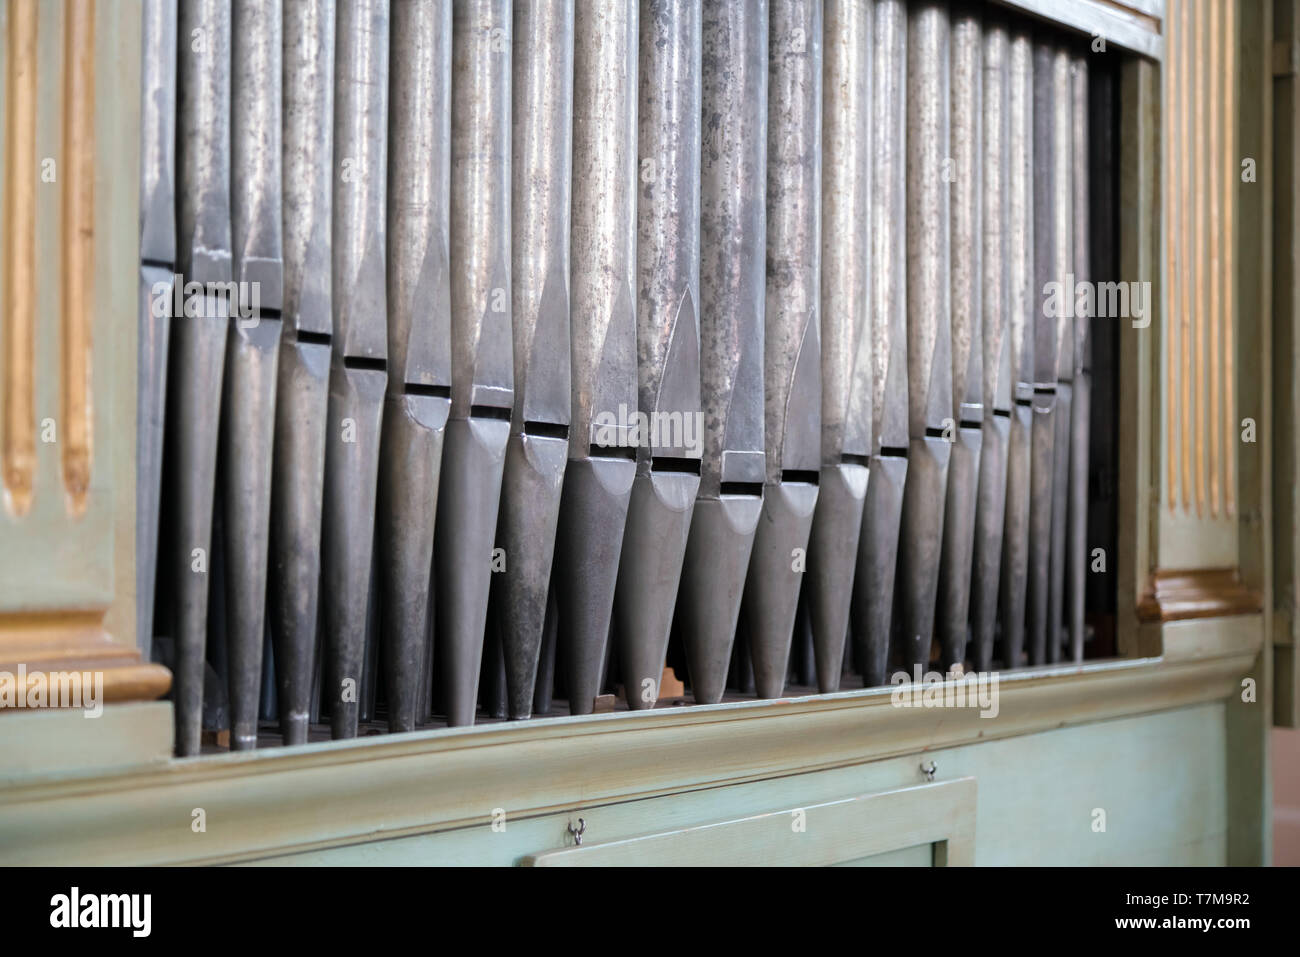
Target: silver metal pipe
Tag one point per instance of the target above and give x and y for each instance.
(252, 350)
(157, 272)
(198, 342)
(298, 476)
(967, 285)
(418, 398)
(996, 347)
(732, 248)
(1053, 251)
(1077, 533)
(538, 447)
(846, 340)
(668, 342)
(792, 361)
(358, 368)
(598, 478)
(873, 588)
(1024, 305)
(482, 392)
(929, 343)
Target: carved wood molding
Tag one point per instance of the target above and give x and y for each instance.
(1198, 593)
(50, 644)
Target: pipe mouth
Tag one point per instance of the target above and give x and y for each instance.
(741, 488)
(625, 453)
(853, 458)
(547, 430)
(489, 412)
(420, 388)
(365, 362)
(673, 463)
(314, 338)
(894, 451)
(806, 476)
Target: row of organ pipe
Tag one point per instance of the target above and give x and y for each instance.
(586, 327)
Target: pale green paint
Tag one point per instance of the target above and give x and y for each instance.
(1159, 778)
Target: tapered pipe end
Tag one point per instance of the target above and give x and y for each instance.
(958, 545)
(654, 545)
(352, 439)
(832, 561)
(713, 581)
(589, 540)
(920, 544)
(873, 582)
(409, 472)
(530, 505)
(473, 462)
(776, 570)
(986, 561)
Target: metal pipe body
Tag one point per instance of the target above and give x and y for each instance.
(1053, 253)
(873, 589)
(733, 241)
(197, 359)
(418, 398)
(846, 334)
(929, 343)
(157, 276)
(482, 393)
(603, 346)
(1023, 305)
(792, 361)
(539, 434)
(668, 342)
(252, 351)
(298, 476)
(966, 199)
(358, 368)
(995, 343)
(1077, 556)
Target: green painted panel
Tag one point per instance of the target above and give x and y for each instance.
(1159, 778)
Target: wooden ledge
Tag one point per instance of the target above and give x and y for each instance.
(1198, 593)
(50, 644)
(262, 804)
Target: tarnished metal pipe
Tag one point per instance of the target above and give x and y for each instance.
(298, 476)
(792, 361)
(1053, 255)
(873, 583)
(967, 285)
(418, 397)
(995, 343)
(668, 342)
(252, 350)
(1023, 308)
(537, 451)
(598, 478)
(732, 246)
(929, 343)
(846, 353)
(157, 272)
(1077, 556)
(482, 393)
(198, 343)
(358, 368)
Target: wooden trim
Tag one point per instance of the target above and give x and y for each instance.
(363, 790)
(940, 814)
(1201, 593)
(47, 644)
(78, 245)
(18, 309)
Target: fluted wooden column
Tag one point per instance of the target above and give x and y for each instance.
(67, 349)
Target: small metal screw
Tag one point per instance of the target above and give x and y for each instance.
(577, 834)
(928, 770)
